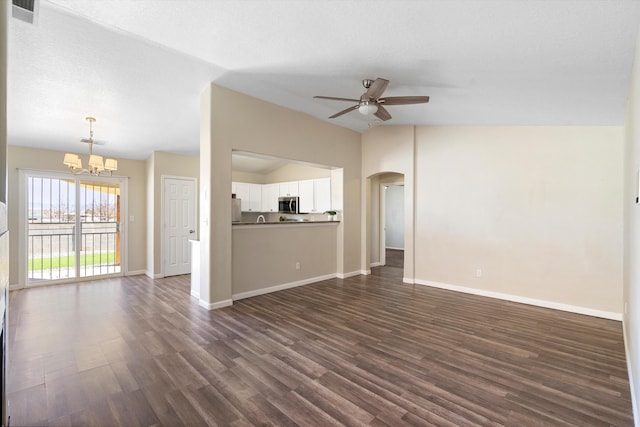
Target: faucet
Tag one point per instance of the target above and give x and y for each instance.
(260, 217)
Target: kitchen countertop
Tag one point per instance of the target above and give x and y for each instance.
(284, 222)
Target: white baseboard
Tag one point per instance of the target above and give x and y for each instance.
(636, 420)
(15, 287)
(281, 287)
(524, 300)
(215, 305)
(376, 264)
(409, 280)
(153, 275)
(350, 274)
(136, 272)
(195, 294)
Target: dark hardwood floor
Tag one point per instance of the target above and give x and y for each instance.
(394, 258)
(360, 351)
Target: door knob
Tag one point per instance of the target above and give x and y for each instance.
(192, 231)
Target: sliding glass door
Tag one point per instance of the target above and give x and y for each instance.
(73, 228)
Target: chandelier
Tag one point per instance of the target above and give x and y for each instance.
(97, 165)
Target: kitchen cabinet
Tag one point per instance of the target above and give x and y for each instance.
(289, 189)
(315, 195)
(306, 193)
(322, 194)
(250, 195)
(270, 193)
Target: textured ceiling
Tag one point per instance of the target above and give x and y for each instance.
(139, 66)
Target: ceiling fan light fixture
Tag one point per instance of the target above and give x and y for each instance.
(367, 107)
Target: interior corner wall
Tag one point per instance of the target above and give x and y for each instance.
(631, 294)
(389, 149)
(537, 209)
(240, 122)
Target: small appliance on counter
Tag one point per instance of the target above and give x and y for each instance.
(236, 209)
(289, 204)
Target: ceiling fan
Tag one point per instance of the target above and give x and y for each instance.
(371, 103)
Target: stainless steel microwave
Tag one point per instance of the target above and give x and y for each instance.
(290, 205)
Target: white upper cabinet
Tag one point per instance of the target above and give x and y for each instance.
(322, 194)
(315, 195)
(249, 194)
(270, 193)
(306, 193)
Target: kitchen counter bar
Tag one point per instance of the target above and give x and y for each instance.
(282, 224)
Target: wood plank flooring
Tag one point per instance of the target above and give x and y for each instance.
(367, 350)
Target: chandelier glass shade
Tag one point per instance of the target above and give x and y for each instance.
(97, 165)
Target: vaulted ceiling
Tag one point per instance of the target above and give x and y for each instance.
(139, 66)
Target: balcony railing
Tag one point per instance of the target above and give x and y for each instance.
(52, 250)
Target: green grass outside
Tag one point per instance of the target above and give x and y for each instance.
(70, 261)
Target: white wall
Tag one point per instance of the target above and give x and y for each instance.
(631, 318)
(394, 216)
(538, 209)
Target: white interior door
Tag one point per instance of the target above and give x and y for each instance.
(179, 224)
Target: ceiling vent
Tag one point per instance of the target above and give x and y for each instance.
(25, 10)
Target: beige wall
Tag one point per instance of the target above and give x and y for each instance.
(273, 131)
(295, 172)
(255, 267)
(159, 164)
(538, 209)
(46, 160)
(286, 173)
(631, 304)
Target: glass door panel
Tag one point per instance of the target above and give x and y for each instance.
(57, 208)
(100, 224)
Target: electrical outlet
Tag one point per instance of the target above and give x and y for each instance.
(478, 272)
(297, 265)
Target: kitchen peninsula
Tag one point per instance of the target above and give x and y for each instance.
(272, 256)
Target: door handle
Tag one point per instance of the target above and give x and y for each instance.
(192, 231)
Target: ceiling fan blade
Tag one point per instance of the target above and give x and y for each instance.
(93, 141)
(337, 99)
(382, 113)
(376, 89)
(403, 100)
(348, 110)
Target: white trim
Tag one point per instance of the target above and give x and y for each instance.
(135, 272)
(636, 421)
(524, 300)
(195, 294)
(376, 264)
(15, 287)
(351, 274)
(395, 249)
(281, 287)
(152, 275)
(215, 305)
(409, 280)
